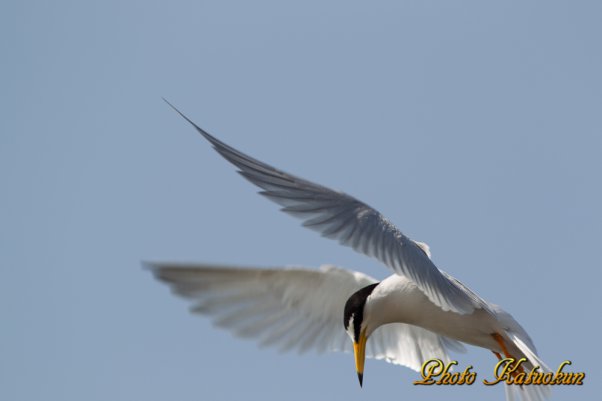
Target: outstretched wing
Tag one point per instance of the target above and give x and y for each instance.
(339, 216)
(289, 308)
(295, 309)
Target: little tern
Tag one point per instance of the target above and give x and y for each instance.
(416, 314)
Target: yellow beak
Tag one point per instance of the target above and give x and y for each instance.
(359, 350)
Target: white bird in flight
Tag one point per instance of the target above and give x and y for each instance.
(416, 314)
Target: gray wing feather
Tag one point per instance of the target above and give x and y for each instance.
(353, 223)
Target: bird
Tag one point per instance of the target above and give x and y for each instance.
(418, 313)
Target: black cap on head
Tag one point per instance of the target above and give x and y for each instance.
(355, 307)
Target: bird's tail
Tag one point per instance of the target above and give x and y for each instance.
(528, 351)
(527, 392)
(520, 345)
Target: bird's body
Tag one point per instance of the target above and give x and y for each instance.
(398, 300)
(418, 313)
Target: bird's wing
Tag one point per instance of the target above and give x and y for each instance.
(289, 308)
(353, 223)
(295, 309)
(411, 346)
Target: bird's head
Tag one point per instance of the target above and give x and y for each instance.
(355, 326)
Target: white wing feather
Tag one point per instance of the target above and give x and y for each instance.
(408, 345)
(353, 223)
(295, 309)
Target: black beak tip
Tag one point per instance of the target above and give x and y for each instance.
(360, 376)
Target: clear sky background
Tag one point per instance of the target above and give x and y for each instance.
(474, 126)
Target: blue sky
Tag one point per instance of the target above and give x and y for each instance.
(473, 126)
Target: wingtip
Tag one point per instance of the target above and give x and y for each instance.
(178, 111)
(146, 265)
(201, 131)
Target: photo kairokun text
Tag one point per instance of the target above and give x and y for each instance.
(435, 371)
